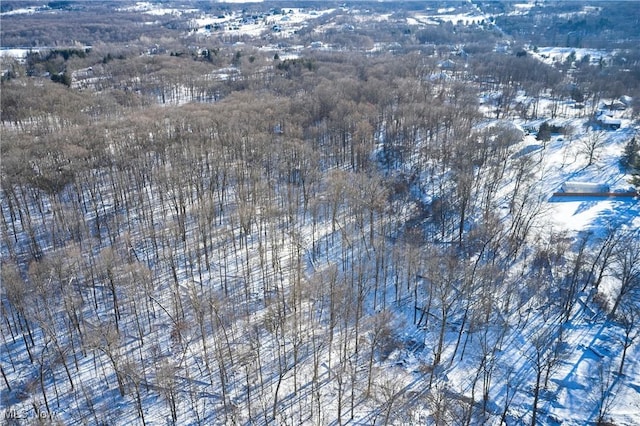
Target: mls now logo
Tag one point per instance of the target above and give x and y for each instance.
(15, 414)
(22, 414)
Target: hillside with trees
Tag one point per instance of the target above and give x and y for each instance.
(315, 213)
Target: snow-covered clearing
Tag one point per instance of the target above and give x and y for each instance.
(257, 24)
(24, 10)
(550, 55)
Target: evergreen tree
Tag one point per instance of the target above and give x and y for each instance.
(635, 172)
(544, 134)
(630, 155)
(630, 161)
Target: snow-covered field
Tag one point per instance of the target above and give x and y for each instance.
(155, 9)
(256, 24)
(550, 55)
(24, 10)
(19, 54)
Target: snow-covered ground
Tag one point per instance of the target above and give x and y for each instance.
(550, 55)
(24, 10)
(155, 9)
(19, 54)
(522, 8)
(569, 164)
(256, 24)
(469, 18)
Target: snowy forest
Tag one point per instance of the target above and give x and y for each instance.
(308, 213)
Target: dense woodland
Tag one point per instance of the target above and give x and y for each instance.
(205, 232)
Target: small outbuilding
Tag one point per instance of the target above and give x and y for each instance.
(585, 188)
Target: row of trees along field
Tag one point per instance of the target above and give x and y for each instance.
(259, 258)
